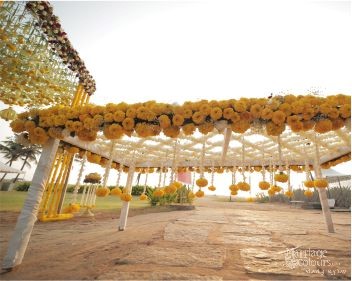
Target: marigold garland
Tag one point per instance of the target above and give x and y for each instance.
(151, 118)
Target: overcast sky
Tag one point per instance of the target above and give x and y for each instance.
(189, 50)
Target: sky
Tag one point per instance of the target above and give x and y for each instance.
(173, 51)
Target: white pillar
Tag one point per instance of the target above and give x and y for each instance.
(77, 186)
(126, 205)
(28, 216)
(322, 191)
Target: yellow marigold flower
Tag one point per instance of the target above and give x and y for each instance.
(345, 110)
(29, 125)
(131, 113)
(128, 124)
(281, 177)
(264, 185)
(289, 194)
(212, 188)
(309, 184)
(119, 116)
(98, 120)
(158, 192)
(235, 117)
(73, 150)
(77, 126)
(206, 128)
(205, 109)
(187, 113)
(178, 120)
(55, 133)
(108, 117)
(143, 197)
(285, 108)
(198, 117)
(240, 106)
(102, 191)
(188, 129)
(143, 130)
(334, 113)
(200, 193)
(172, 131)
(216, 113)
(321, 183)
(297, 107)
(256, 110)
(164, 121)
(307, 125)
(228, 113)
(273, 129)
(278, 117)
(68, 125)
(266, 114)
(243, 186)
(126, 197)
(297, 127)
(323, 126)
(325, 108)
(241, 126)
(17, 126)
(337, 124)
(87, 135)
(234, 192)
(116, 191)
(201, 182)
(308, 193)
(233, 187)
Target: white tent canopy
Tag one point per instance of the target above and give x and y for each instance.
(7, 169)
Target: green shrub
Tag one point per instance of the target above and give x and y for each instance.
(138, 189)
(23, 186)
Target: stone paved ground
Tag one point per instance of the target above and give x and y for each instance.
(217, 241)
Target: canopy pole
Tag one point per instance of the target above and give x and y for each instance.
(322, 191)
(28, 216)
(126, 205)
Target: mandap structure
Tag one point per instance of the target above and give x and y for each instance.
(272, 136)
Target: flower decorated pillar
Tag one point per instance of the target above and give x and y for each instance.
(126, 204)
(28, 216)
(322, 191)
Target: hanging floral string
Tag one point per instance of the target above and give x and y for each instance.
(202, 182)
(319, 181)
(244, 186)
(80, 174)
(212, 187)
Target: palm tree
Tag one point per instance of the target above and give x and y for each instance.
(14, 151)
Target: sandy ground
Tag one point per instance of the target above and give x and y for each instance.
(216, 241)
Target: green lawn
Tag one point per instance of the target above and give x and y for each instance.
(13, 201)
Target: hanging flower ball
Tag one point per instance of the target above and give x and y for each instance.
(321, 183)
(72, 208)
(126, 197)
(264, 185)
(102, 191)
(289, 194)
(281, 177)
(243, 186)
(8, 114)
(73, 150)
(309, 184)
(212, 188)
(116, 191)
(276, 188)
(143, 197)
(158, 192)
(234, 192)
(201, 182)
(233, 187)
(271, 192)
(200, 193)
(308, 193)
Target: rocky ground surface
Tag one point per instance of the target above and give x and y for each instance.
(216, 241)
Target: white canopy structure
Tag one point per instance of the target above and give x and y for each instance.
(7, 169)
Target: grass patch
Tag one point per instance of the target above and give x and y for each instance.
(13, 201)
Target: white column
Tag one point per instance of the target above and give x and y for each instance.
(77, 186)
(28, 216)
(126, 205)
(322, 191)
